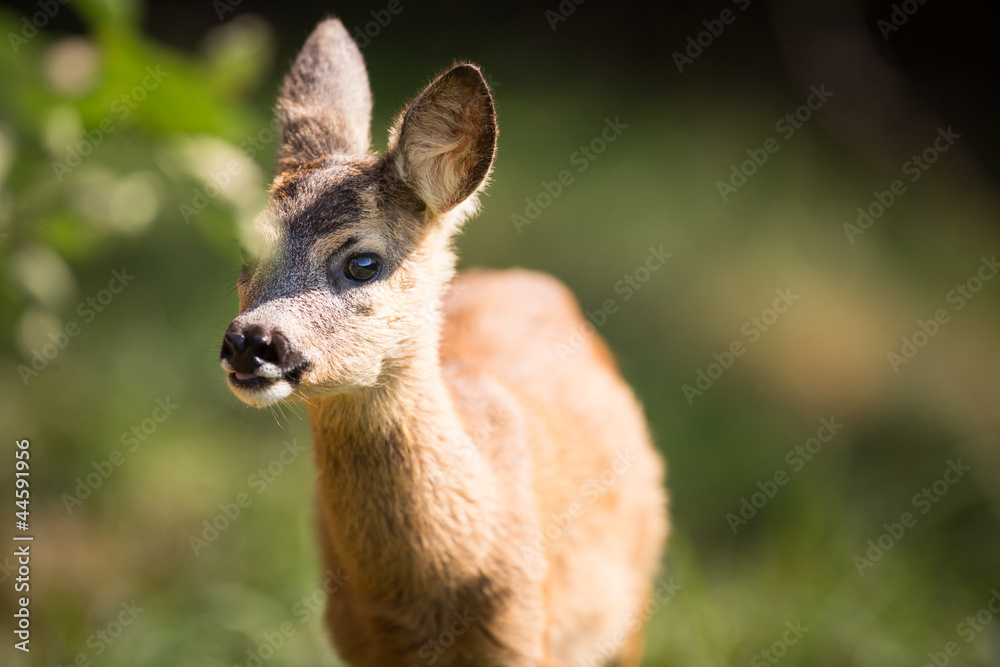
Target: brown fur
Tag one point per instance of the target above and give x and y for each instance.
(456, 451)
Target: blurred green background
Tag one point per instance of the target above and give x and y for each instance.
(136, 139)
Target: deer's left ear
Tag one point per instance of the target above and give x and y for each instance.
(444, 143)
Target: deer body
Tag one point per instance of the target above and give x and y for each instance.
(488, 502)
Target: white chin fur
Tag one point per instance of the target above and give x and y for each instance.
(262, 397)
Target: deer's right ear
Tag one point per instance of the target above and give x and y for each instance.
(444, 144)
(325, 106)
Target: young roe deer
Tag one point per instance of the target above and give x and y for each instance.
(473, 487)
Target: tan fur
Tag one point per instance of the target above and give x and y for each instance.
(457, 452)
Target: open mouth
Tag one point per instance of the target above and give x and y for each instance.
(260, 391)
(265, 386)
(249, 380)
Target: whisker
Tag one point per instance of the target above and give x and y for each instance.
(275, 415)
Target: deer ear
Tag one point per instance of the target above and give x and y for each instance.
(444, 143)
(325, 104)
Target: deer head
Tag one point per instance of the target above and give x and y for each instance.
(342, 290)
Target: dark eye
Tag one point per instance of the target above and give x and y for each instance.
(362, 268)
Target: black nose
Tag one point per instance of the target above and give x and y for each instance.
(246, 348)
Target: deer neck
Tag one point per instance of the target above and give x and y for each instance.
(401, 488)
